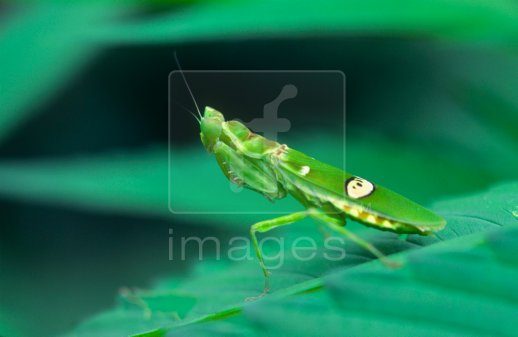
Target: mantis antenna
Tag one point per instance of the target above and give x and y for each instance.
(187, 85)
(189, 111)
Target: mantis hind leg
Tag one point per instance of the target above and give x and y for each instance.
(337, 226)
(333, 224)
(265, 226)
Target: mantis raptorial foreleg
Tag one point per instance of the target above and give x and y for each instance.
(329, 222)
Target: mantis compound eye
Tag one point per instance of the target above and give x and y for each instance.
(357, 187)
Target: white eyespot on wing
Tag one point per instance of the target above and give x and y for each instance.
(304, 170)
(357, 187)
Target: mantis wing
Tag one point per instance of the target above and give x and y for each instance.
(342, 188)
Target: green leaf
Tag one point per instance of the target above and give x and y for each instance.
(482, 211)
(114, 181)
(9, 325)
(475, 20)
(43, 47)
(467, 267)
(117, 323)
(235, 326)
(458, 288)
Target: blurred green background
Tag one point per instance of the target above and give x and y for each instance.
(432, 112)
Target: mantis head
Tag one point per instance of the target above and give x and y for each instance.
(210, 127)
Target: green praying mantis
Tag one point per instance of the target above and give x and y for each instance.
(328, 194)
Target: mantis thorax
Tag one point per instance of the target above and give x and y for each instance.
(234, 134)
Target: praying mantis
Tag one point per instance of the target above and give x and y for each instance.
(328, 194)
